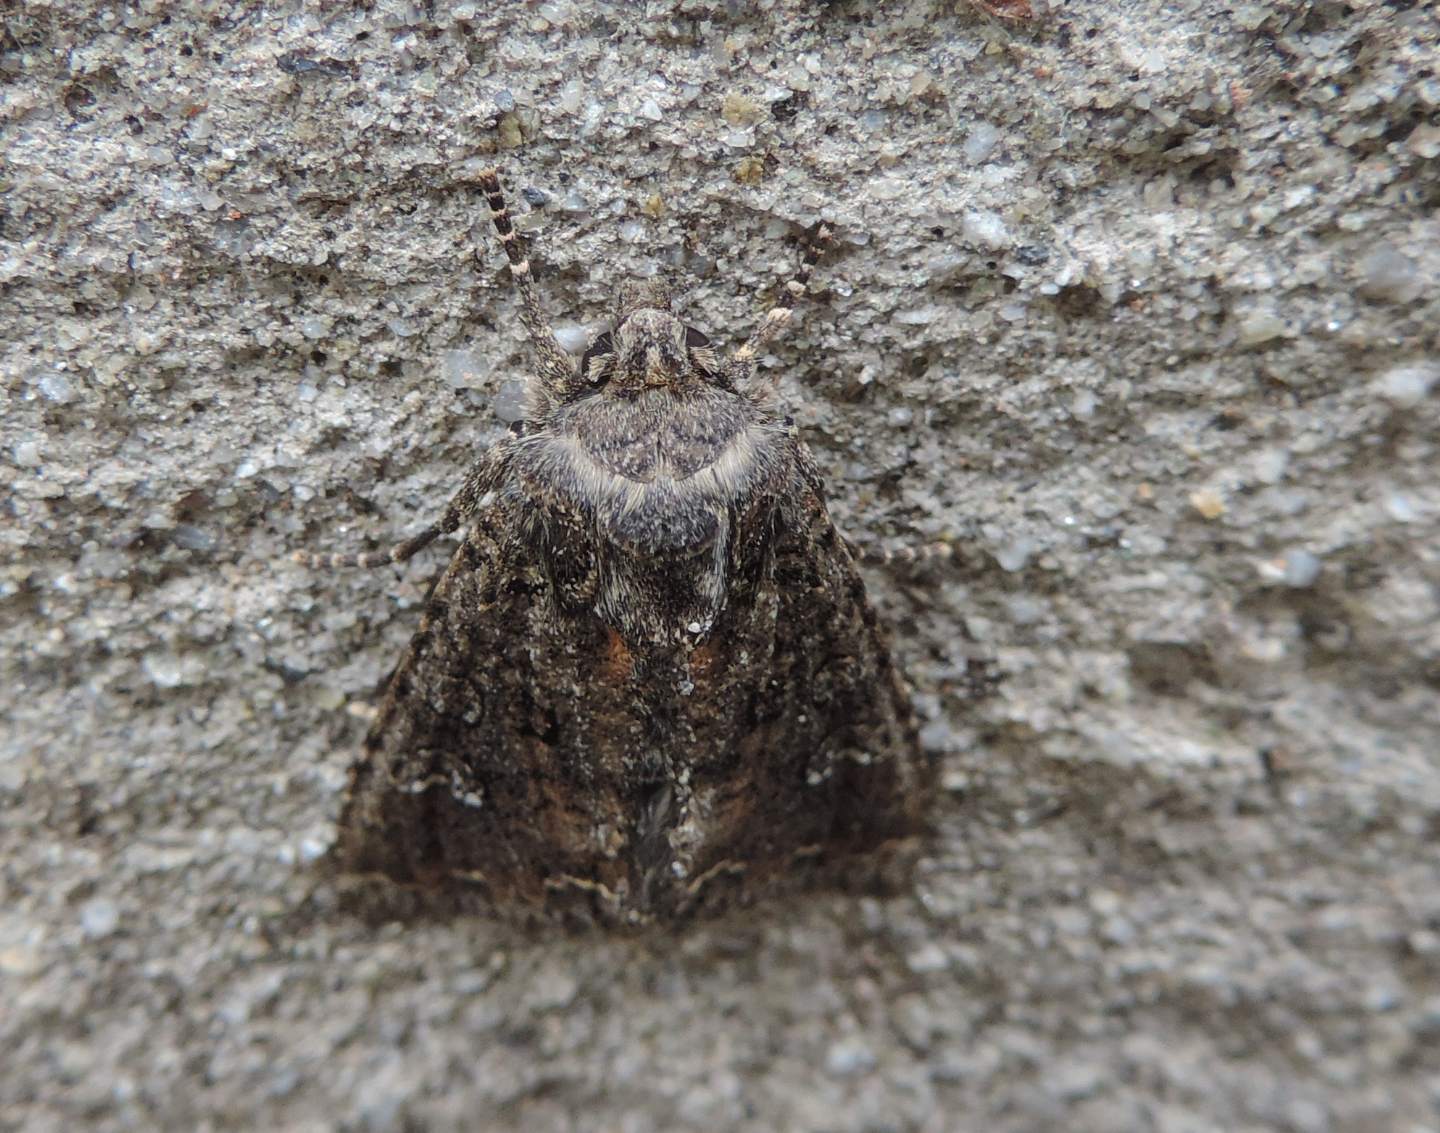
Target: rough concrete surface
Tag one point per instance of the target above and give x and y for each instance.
(1134, 301)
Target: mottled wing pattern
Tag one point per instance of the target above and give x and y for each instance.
(881, 784)
(464, 781)
(525, 757)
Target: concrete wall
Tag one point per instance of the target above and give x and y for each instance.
(1136, 302)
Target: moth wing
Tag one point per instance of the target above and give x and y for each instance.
(882, 782)
(460, 779)
(824, 764)
(519, 755)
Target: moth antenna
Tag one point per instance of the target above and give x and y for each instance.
(777, 318)
(557, 372)
(368, 560)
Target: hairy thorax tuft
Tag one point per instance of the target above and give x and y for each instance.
(661, 484)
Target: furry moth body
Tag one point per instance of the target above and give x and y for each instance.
(650, 680)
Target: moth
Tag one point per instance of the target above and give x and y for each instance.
(649, 682)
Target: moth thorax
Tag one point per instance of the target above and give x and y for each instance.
(664, 599)
(657, 535)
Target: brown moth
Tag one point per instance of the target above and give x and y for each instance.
(650, 680)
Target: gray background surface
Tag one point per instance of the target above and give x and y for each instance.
(1137, 302)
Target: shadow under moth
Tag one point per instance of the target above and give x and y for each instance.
(650, 681)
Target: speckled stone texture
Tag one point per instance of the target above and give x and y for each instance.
(1135, 301)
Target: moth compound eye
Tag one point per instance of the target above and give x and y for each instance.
(598, 359)
(702, 354)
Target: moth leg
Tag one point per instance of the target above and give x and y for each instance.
(558, 372)
(483, 477)
(741, 368)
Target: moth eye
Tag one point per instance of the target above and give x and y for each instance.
(596, 359)
(701, 353)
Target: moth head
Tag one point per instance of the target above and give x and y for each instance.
(649, 346)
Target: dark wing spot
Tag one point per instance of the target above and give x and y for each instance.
(694, 339)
